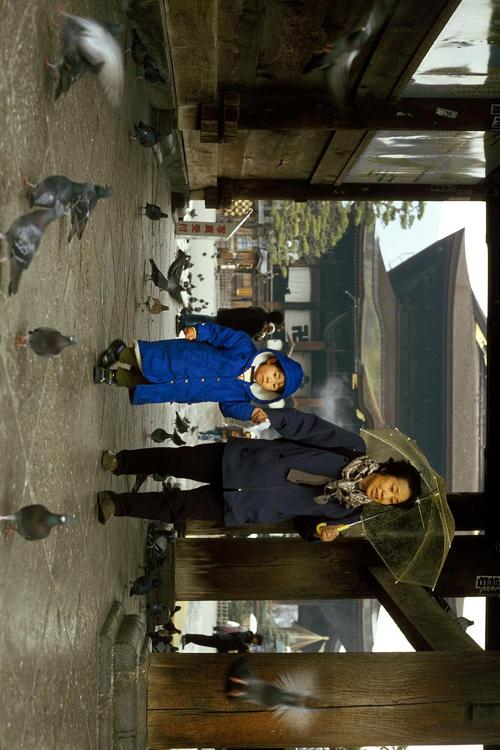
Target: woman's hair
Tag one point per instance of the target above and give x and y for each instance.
(275, 316)
(403, 470)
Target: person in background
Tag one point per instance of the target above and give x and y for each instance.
(240, 641)
(254, 320)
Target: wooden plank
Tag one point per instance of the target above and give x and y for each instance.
(201, 159)
(192, 31)
(406, 39)
(336, 156)
(356, 699)
(288, 568)
(321, 189)
(419, 617)
(287, 154)
(240, 32)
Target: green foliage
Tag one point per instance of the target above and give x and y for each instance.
(306, 230)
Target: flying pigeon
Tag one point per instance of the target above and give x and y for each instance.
(144, 585)
(84, 205)
(154, 305)
(89, 46)
(45, 341)
(242, 685)
(24, 236)
(146, 135)
(193, 213)
(32, 522)
(154, 212)
(336, 58)
(171, 283)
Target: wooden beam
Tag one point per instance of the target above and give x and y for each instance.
(306, 110)
(293, 569)
(356, 699)
(418, 615)
(302, 190)
(405, 41)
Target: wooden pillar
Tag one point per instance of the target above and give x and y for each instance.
(357, 699)
(224, 568)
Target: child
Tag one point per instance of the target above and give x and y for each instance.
(212, 363)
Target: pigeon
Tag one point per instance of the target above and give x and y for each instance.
(84, 205)
(24, 236)
(242, 685)
(144, 585)
(336, 58)
(159, 435)
(155, 608)
(181, 423)
(32, 522)
(139, 481)
(171, 283)
(154, 212)
(89, 46)
(146, 135)
(151, 71)
(138, 49)
(154, 305)
(45, 341)
(193, 213)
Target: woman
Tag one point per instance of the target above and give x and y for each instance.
(316, 473)
(254, 320)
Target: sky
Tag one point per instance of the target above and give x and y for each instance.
(441, 219)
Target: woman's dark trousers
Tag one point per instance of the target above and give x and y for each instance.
(202, 463)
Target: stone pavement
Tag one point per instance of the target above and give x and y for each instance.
(55, 594)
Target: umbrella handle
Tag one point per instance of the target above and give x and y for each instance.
(343, 527)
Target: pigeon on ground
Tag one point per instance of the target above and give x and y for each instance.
(137, 48)
(160, 435)
(32, 522)
(84, 205)
(181, 423)
(45, 341)
(24, 236)
(139, 481)
(242, 685)
(151, 71)
(156, 608)
(154, 212)
(144, 585)
(146, 135)
(89, 46)
(154, 305)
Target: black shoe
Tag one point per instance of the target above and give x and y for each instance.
(110, 355)
(104, 376)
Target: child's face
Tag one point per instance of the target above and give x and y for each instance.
(269, 376)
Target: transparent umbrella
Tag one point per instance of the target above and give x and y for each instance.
(412, 543)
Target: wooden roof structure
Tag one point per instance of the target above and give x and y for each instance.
(254, 125)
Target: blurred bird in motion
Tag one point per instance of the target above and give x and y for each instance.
(281, 696)
(89, 47)
(45, 341)
(338, 55)
(154, 305)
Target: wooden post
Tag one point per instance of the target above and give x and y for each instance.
(356, 699)
(293, 569)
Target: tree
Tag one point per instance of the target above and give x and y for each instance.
(306, 230)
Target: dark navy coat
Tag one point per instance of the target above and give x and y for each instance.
(206, 370)
(256, 488)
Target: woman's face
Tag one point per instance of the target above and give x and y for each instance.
(386, 489)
